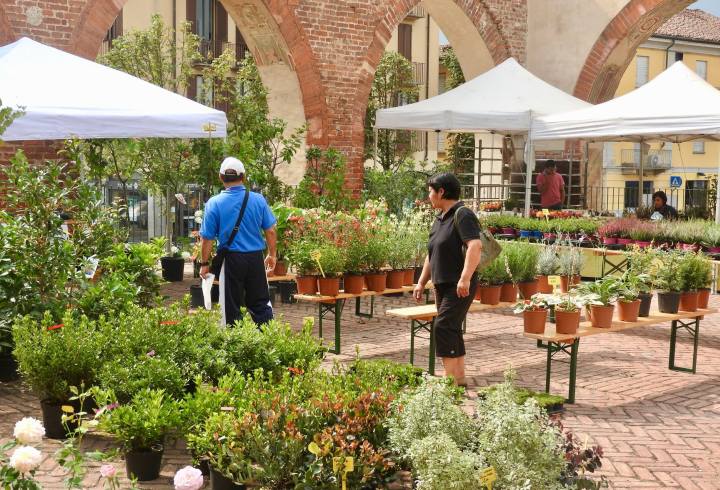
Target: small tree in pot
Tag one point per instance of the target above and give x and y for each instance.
(601, 296)
(695, 274)
(141, 428)
(666, 275)
(299, 254)
(523, 261)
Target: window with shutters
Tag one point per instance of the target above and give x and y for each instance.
(405, 40)
(701, 69)
(642, 70)
(204, 18)
(698, 147)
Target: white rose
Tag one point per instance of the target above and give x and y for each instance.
(174, 249)
(188, 478)
(29, 431)
(25, 459)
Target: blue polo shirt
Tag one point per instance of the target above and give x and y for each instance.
(221, 213)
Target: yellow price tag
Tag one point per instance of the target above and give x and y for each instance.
(344, 464)
(554, 280)
(488, 476)
(546, 212)
(315, 255)
(209, 127)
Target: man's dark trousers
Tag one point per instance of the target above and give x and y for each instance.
(246, 286)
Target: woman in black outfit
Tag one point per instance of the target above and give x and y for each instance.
(453, 255)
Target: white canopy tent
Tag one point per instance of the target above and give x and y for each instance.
(505, 99)
(675, 106)
(65, 96)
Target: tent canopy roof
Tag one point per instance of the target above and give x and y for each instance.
(504, 99)
(65, 96)
(677, 106)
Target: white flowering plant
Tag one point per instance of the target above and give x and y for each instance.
(535, 303)
(18, 471)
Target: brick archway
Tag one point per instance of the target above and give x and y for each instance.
(7, 34)
(616, 46)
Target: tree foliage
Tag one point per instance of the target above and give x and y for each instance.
(461, 146)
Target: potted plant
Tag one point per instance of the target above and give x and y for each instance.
(53, 357)
(509, 288)
(376, 256)
(609, 232)
(628, 297)
(570, 264)
(667, 283)
(397, 259)
(643, 234)
(331, 263)
(141, 427)
(640, 269)
(173, 265)
(491, 279)
(283, 215)
(567, 312)
(299, 254)
(711, 240)
(695, 273)
(354, 280)
(601, 296)
(534, 312)
(523, 268)
(548, 265)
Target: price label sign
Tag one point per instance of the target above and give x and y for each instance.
(554, 281)
(344, 465)
(488, 476)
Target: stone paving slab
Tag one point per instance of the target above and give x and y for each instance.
(658, 428)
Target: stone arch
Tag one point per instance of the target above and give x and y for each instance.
(614, 49)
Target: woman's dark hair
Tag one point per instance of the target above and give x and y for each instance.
(661, 195)
(448, 182)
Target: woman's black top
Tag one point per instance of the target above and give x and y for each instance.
(445, 247)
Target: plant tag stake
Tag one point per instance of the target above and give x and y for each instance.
(488, 477)
(315, 254)
(344, 464)
(546, 213)
(554, 281)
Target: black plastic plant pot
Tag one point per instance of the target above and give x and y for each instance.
(196, 296)
(287, 290)
(218, 481)
(8, 367)
(52, 420)
(669, 302)
(645, 302)
(204, 466)
(172, 268)
(144, 465)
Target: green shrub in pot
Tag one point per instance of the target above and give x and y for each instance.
(666, 272)
(602, 292)
(548, 261)
(494, 274)
(695, 272)
(522, 260)
(299, 254)
(330, 260)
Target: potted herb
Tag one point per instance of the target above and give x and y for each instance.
(173, 265)
(534, 312)
(141, 427)
(376, 256)
(523, 268)
(570, 264)
(601, 296)
(331, 263)
(548, 265)
(299, 254)
(53, 357)
(641, 263)
(491, 279)
(695, 272)
(567, 312)
(667, 283)
(353, 280)
(629, 297)
(400, 249)
(510, 258)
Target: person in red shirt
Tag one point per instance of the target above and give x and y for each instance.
(551, 186)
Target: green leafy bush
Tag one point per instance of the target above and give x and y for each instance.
(112, 294)
(440, 464)
(139, 261)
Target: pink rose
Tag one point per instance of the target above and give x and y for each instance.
(107, 471)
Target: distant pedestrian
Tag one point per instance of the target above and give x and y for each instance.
(242, 270)
(551, 186)
(661, 206)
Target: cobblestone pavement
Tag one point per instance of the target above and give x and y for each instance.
(658, 428)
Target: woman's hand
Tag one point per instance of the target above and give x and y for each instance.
(463, 288)
(418, 292)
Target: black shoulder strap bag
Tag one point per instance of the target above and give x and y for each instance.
(217, 261)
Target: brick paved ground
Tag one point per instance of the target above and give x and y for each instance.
(659, 429)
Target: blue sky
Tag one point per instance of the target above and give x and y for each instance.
(712, 6)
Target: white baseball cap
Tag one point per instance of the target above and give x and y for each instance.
(233, 166)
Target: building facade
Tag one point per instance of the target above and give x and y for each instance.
(681, 170)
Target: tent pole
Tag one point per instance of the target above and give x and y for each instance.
(717, 194)
(586, 147)
(377, 133)
(530, 166)
(641, 171)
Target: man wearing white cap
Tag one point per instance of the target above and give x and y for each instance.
(237, 219)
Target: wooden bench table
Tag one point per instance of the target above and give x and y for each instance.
(422, 317)
(569, 345)
(334, 305)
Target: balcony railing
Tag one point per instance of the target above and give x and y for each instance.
(211, 48)
(655, 159)
(416, 13)
(419, 73)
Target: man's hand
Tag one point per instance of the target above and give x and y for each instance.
(418, 292)
(270, 262)
(204, 270)
(463, 288)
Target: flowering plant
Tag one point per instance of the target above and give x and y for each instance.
(568, 302)
(188, 478)
(18, 471)
(535, 303)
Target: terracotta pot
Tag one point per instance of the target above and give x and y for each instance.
(645, 303)
(534, 321)
(628, 311)
(306, 284)
(409, 277)
(395, 279)
(668, 301)
(567, 322)
(689, 301)
(543, 285)
(329, 286)
(478, 292)
(528, 289)
(609, 240)
(376, 282)
(354, 283)
(566, 282)
(490, 295)
(508, 293)
(703, 298)
(280, 268)
(601, 316)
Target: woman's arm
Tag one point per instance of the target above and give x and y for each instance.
(424, 278)
(472, 259)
